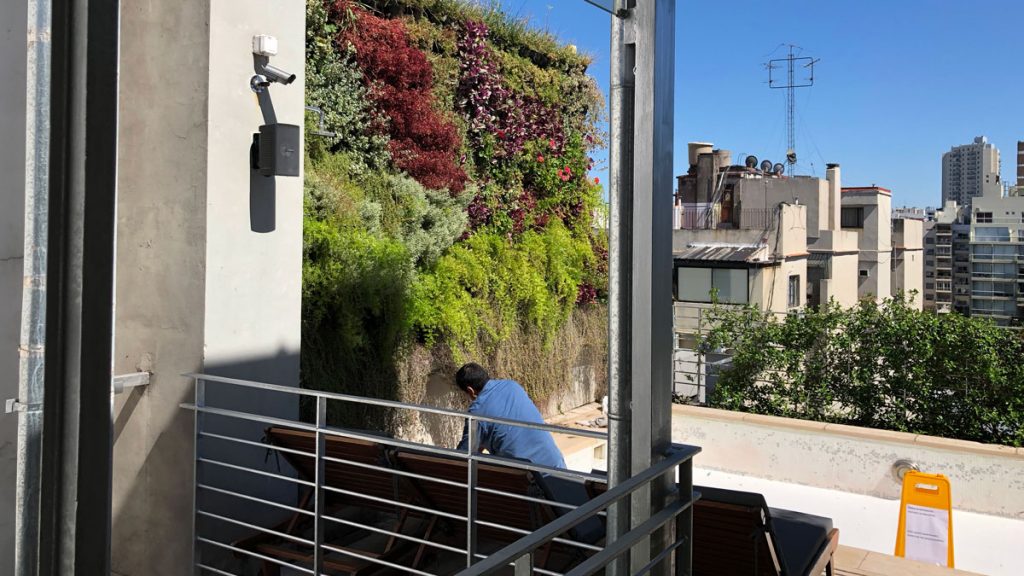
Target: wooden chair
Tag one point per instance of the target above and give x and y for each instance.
(736, 533)
(496, 509)
(367, 489)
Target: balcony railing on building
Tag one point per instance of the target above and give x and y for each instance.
(715, 216)
(298, 504)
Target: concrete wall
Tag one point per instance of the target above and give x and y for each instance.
(160, 280)
(209, 261)
(12, 215)
(985, 478)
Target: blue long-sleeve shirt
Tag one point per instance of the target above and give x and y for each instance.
(507, 399)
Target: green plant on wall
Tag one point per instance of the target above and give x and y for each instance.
(452, 207)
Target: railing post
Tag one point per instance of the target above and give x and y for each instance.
(471, 465)
(318, 494)
(524, 565)
(200, 402)
(684, 522)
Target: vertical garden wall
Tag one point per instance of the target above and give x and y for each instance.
(449, 211)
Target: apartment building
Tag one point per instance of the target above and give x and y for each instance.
(997, 258)
(947, 261)
(778, 235)
(908, 259)
(867, 212)
(1020, 163)
(970, 171)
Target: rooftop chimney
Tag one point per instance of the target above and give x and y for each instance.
(835, 188)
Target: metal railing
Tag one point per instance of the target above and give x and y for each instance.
(213, 498)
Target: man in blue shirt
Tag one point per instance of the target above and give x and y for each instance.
(506, 399)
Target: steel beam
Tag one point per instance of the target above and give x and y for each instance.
(75, 485)
(640, 279)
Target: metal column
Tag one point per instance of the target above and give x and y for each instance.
(74, 506)
(640, 308)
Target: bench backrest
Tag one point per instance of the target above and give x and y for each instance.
(342, 476)
(493, 508)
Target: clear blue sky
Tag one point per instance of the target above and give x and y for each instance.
(899, 82)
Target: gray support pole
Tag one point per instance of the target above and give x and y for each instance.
(33, 306)
(654, 38)
(74, 526)
(640, 309)
(620, 254)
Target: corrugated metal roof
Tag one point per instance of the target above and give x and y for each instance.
(718, 253)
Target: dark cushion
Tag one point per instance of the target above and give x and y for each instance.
(799, 539)
(573, 492)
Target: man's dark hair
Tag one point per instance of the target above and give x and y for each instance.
(473, 376)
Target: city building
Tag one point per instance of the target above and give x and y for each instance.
(740, 234)
(867, 211)
(926, 214)
(908, 259)
(1020, 163)
(997, 252)
(970, 171)
(947, 261)
(780, 236)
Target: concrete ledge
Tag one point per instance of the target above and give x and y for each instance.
(987, 479)
(854, 431)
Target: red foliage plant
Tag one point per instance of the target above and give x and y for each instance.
(423, 143)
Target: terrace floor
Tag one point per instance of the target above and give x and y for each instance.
(867, 524)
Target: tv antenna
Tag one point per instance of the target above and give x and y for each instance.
(793, 62)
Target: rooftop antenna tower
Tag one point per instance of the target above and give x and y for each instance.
(790, 83)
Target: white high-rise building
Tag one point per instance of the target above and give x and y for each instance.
(970, 171)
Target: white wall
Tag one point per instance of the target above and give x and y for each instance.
(12, 195)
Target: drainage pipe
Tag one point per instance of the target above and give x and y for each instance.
(620, 263)
(33, 308)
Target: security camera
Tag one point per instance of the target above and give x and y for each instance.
(275, 74)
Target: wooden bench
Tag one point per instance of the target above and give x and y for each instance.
(495, 511)
(367, 486)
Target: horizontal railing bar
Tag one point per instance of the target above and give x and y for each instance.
(394, 503)
(627, 540)
(263, 445)
(664, 554)
(395, 534)
(255, 499)
(676, 456)
(238, 550)
(526, 498)
(260, 419)
(556, 539)
(523, 465)
(392, 404)
(535, 569)
(391, 471)
(214, 570)
(376, 560)
(254, 471)
(255, 527)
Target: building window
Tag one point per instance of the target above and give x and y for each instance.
(852, 217)
(864, 273)
(794, 291)
(984, 218)
(697, 284)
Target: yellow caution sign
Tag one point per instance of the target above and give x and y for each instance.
(926, 519)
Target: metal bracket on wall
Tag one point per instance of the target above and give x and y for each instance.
(12, 405)
(119, 383)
